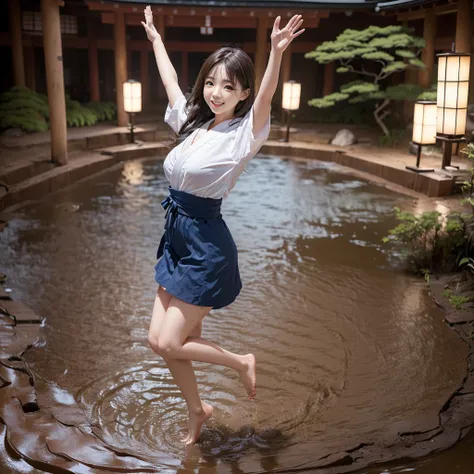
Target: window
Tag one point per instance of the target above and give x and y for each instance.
(31, 21)
(68, 24)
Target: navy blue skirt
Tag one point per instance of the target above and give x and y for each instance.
(198, 260)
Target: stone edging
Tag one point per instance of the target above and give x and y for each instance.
(34, 188)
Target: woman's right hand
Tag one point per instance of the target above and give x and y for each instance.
(150, 29)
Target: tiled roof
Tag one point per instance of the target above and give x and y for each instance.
(309, 4)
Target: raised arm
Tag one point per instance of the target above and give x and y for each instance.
(280, 40)
(165, 68)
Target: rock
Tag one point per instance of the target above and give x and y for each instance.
(344, 137)
(13, 132)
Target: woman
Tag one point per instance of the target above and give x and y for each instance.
(223, 128)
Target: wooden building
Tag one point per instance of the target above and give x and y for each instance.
(90, 47)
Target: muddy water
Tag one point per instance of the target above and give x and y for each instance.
(349, 348)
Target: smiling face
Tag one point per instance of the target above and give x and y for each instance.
(221, 95)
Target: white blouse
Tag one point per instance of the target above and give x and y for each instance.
(210, 166)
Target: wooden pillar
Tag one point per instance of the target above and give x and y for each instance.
(53, 58)
(120, 65)
(328, 85)
(425, 76)
(284, 77)
(161, 28)
(463, 26)
(93, 54)
(144, 79)
(30, 67)
(184, 72)
(17, 43)
(261, 50)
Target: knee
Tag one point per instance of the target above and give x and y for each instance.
(153, 341)
(164, 347)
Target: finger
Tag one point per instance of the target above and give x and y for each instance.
(297, 26)
(145, 26)
(293, 20)
(276, 24)
(297, 34)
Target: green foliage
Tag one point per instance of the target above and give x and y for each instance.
(329, 100)
(428, 95)
(27, 120)
(425, 242)
(23, 108)
(404, 92)
(417, 63)
(389, 49)
(405, 53)
(396, 138)
(79, 116)
(359, 87)
(457, 300)
(103, 110)
(395, 66)
(467, 262)
(378, 56)
(468, 185)
(447, 292)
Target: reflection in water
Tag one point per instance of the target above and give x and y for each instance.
(349, 348)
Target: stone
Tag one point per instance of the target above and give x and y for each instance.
(19, 312)
(344, 137)
(13, 132)
(4, 295)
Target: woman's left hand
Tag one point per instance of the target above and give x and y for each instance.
(282, 38)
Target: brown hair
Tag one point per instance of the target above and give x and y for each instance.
(239, 68)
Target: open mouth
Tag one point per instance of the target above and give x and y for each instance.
(215, 105)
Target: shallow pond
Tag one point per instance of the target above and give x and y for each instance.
(350, 349)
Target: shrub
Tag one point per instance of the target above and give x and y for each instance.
(103, 110)
(468, 185)
(77, 115)
(396, 138)
(426, 242)
(23, 108)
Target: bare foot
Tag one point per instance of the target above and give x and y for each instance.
(249, 376)
(196, 420)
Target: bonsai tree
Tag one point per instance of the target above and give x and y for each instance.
(389, 50)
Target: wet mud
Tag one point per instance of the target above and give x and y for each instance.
(356, 362)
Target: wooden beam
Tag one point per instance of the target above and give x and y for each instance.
(196, 21)
(233, 12)
(171, 46)
(419, 14)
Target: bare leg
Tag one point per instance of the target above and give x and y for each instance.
(175, 342)
(181, 370)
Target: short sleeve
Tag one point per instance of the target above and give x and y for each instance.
(246, 144)
(177, 115)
